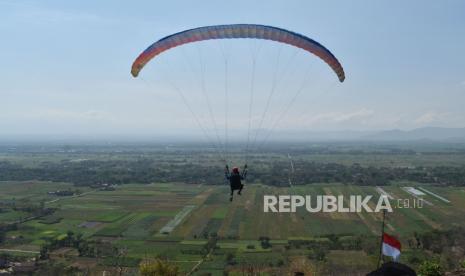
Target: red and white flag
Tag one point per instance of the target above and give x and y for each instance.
(391, 247)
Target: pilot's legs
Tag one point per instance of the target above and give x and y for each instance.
(232, 193)
(240, 189)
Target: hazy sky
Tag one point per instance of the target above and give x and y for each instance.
(66, 66)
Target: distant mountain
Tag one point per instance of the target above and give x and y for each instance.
(425, 133)
(439, 134)
(339, 135)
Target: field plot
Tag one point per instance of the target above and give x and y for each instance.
(418, 194)
(169, 227)
(134, 215)
(436, 216)
(13, 216)
(435, 195)
(33, 191)
(381, 191)
(132, 211)
(244, 217)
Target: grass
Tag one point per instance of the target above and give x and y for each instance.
(8, 216)
(220, 212)
(142, 228)
(127, 224)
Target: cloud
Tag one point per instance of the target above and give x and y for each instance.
(430, 117)
(341, 117)
(28, 12)
(329, 120)
(66, 115)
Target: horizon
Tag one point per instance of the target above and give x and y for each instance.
(437, 135)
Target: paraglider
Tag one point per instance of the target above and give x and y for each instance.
(234, 179)
(236, 31)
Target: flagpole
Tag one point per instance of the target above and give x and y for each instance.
(381, 240)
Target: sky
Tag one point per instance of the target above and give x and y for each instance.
(66, 68)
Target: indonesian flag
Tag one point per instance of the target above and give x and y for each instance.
(391, 246)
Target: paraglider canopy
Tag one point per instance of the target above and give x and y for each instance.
(238, 31)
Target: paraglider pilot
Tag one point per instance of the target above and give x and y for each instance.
(235, 178)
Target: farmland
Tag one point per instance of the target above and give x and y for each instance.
(193, 225)
(134, 215)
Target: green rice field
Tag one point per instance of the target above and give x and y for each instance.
(134, 215)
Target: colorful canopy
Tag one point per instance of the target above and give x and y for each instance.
(238, 31)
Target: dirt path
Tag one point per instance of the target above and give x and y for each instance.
(200, 262)
(18, 250)
(68, 197)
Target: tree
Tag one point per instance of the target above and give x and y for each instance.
(301, 266)
(317, 253)
(44, 250)
(158, 267)
(119, 256)
(430, 268)
(265, 242)
(2, 234)
(230, 258)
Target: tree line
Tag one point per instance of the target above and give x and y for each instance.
(274, 173)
